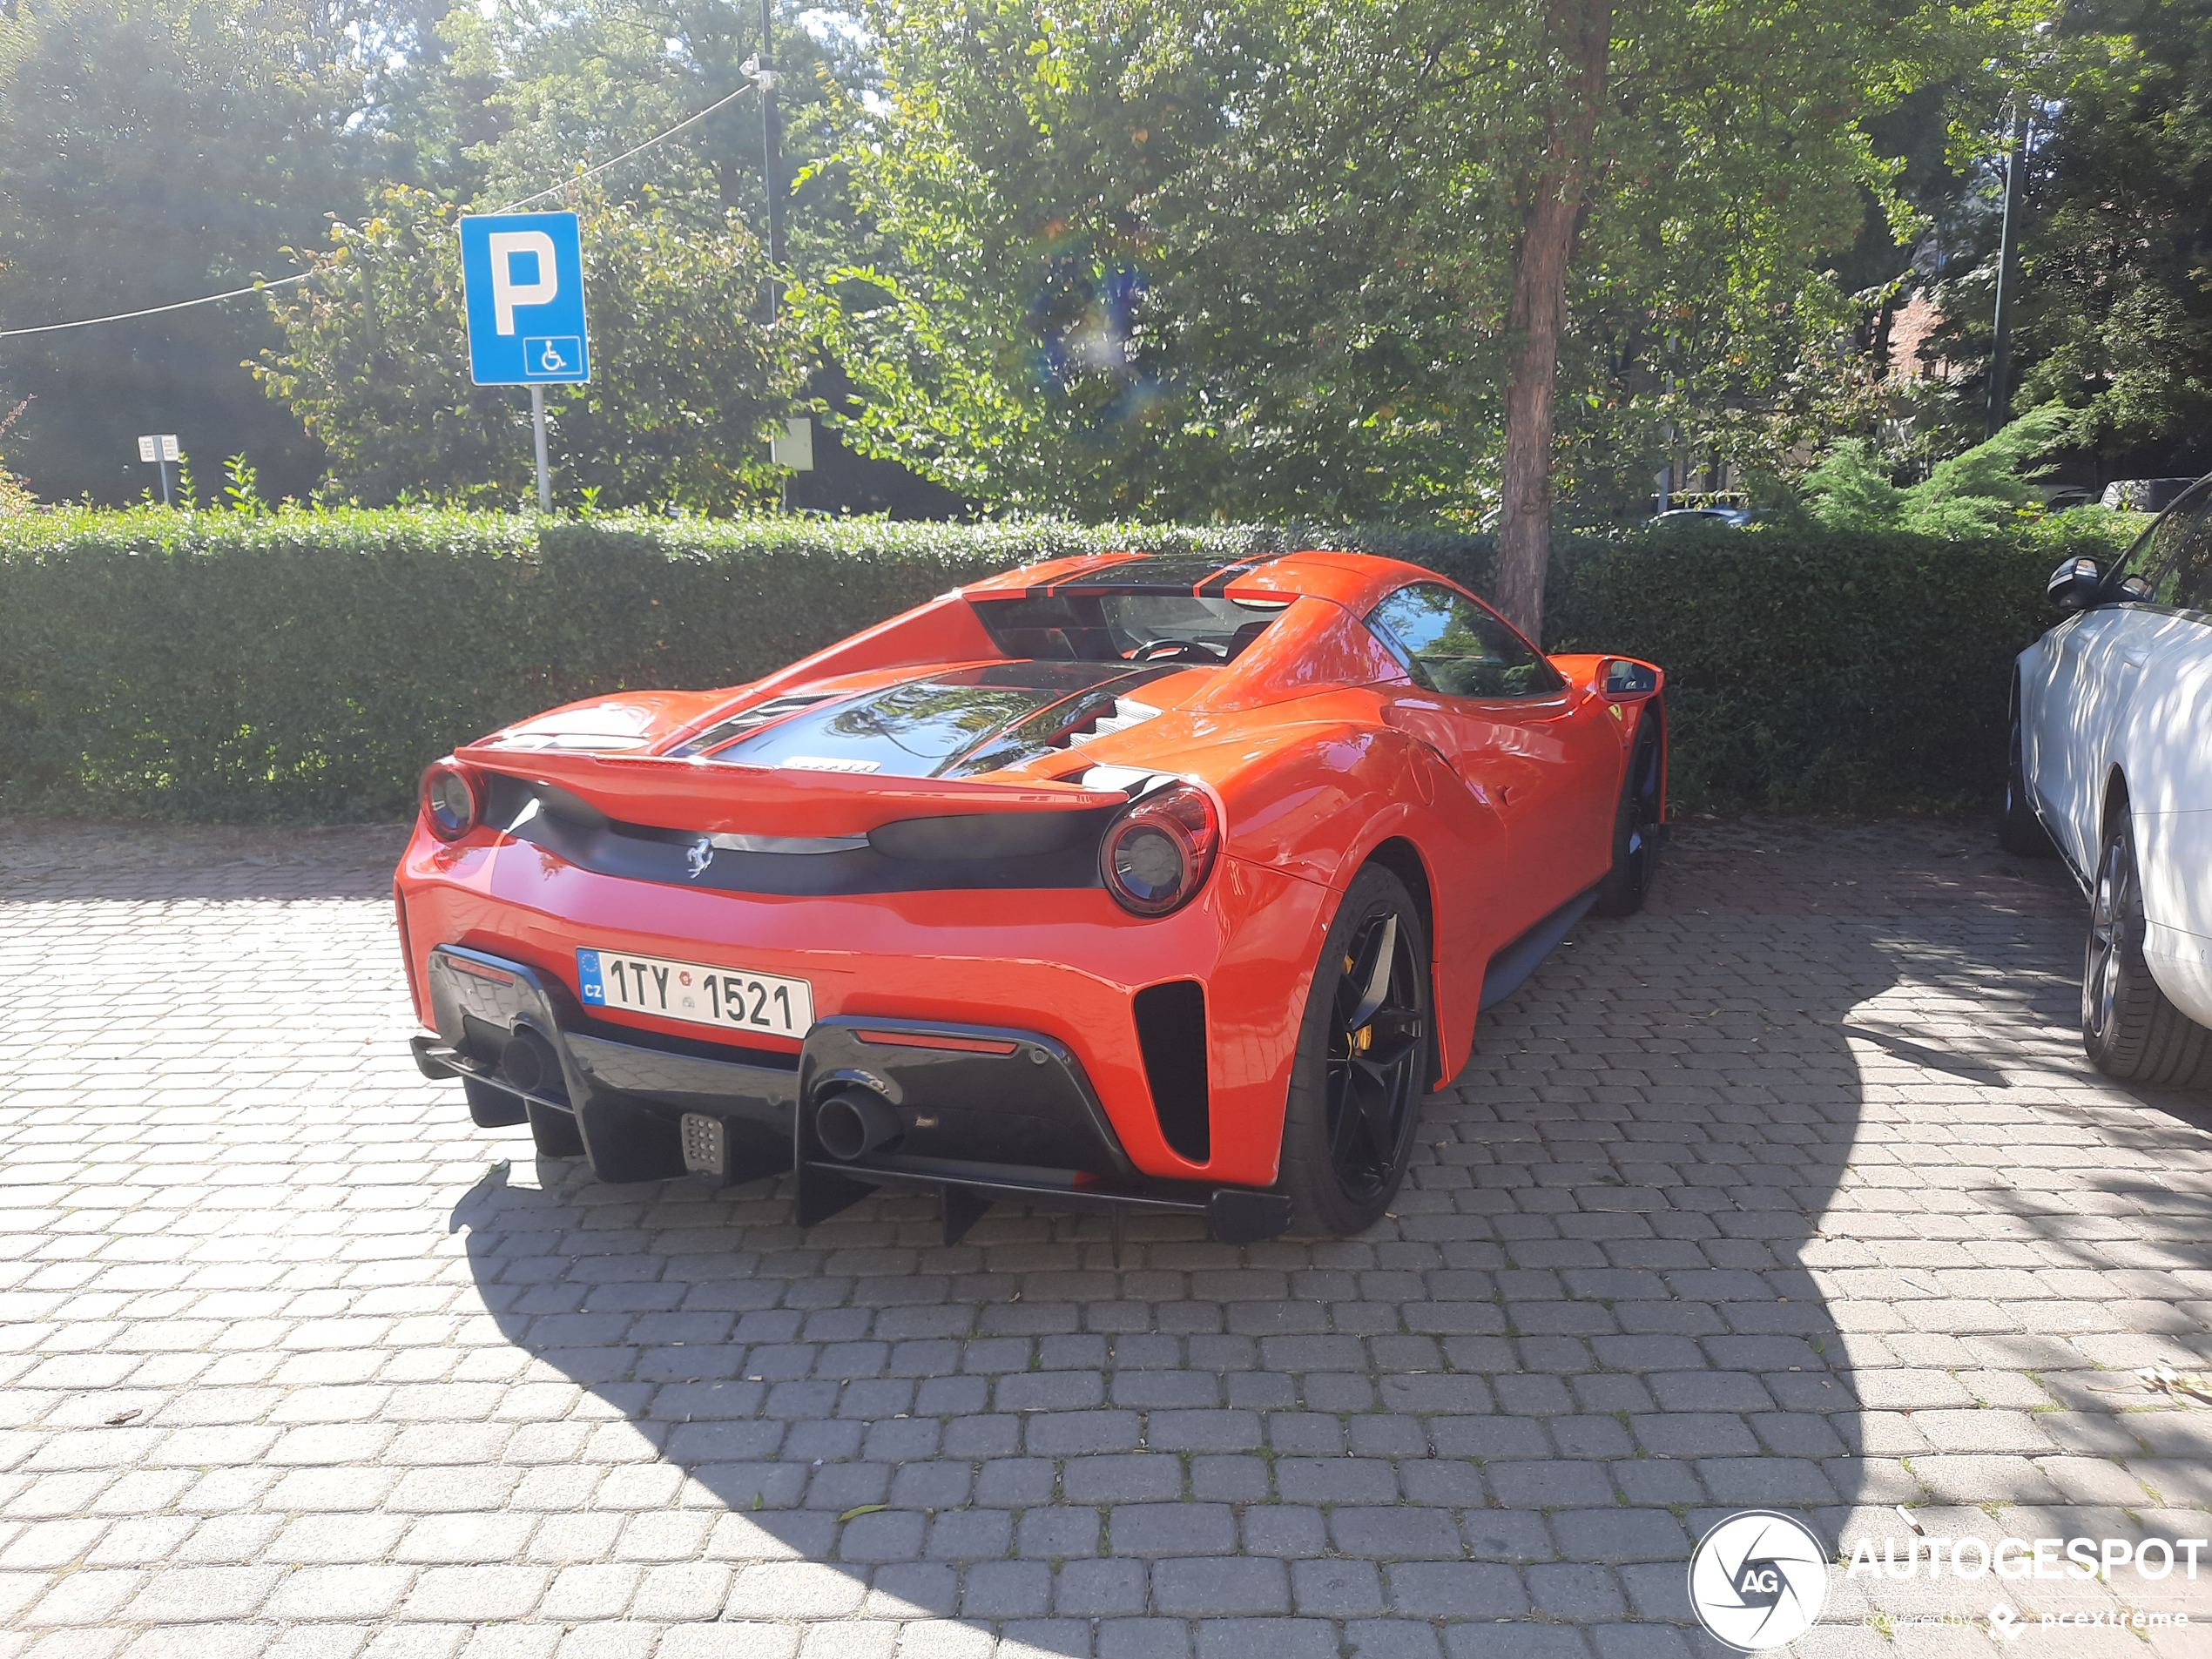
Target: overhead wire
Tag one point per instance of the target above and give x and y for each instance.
(301, 276)
(154, 311)
(554, 190)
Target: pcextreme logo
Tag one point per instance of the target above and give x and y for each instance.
(1758, 1579)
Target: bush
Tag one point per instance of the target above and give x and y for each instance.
(302, 665)
(1818, 668)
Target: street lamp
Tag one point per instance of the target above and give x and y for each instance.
(2008, 248)
(2008, 261)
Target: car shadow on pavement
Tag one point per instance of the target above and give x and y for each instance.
(1700, 1227)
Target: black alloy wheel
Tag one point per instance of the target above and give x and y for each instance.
(1636, 830)
(2129, 1027)
(1362, 1062)
(1374, 1050)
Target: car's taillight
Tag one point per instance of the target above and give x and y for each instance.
(452, 799)
(1156, 855)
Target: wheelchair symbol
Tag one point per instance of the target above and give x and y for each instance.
(560, 357)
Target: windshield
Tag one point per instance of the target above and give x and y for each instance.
(1107, 627)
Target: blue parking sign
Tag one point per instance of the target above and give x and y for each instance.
(523, 275)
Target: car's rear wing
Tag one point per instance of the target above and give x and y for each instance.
(715, 796)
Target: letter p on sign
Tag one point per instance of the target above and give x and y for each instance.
(506, 293)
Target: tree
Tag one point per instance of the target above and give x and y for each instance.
(1002, 333)
(2115, 312)
(687, 380)
(1551, 190)
(153, 151)
(432, 105)
(1338, 257)
(1981, 489)
(583, 84)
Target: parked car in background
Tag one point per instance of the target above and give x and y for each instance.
(1737, 516)
(2111, 768)
(1118, 883)
(2143, 495)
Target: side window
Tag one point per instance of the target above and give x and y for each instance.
(2181, 569)
(2155, 559)
(1451, 644)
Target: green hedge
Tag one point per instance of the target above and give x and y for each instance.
(304, 666)
(1810, 668)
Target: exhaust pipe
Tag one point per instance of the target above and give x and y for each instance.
(853, 1123)
(528, 1063)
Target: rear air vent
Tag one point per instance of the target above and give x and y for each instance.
(752, 720)
(1171, 1033)
(1127, 712)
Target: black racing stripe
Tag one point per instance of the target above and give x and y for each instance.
(950, 852)
(1217, 586)
(1166, 576)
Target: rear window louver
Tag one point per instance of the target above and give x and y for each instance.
(752, 720)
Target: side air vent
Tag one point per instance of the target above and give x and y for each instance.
(1171, 1032)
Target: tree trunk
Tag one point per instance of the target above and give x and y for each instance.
(1582, 31)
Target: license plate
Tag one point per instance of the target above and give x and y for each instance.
(727, 997)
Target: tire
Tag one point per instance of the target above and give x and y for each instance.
(2129, 1027)
(1635, 829)
(2018, 830)
(1348, 1123)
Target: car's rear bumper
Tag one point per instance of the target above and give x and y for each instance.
(983, 1113)
(1069, 966)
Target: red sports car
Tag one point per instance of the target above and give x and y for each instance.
(1121, 883)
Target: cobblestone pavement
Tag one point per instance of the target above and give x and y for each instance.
(1794, 1192)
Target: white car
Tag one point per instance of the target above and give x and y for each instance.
(2111, 767)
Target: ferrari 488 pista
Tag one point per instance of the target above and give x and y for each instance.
(1119, 882)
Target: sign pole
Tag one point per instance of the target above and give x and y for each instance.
(771, 168)
(165, 501)
(771, 156)
(545, 478)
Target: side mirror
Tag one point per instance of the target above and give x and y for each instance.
(1625, 678)
(2076, 584)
